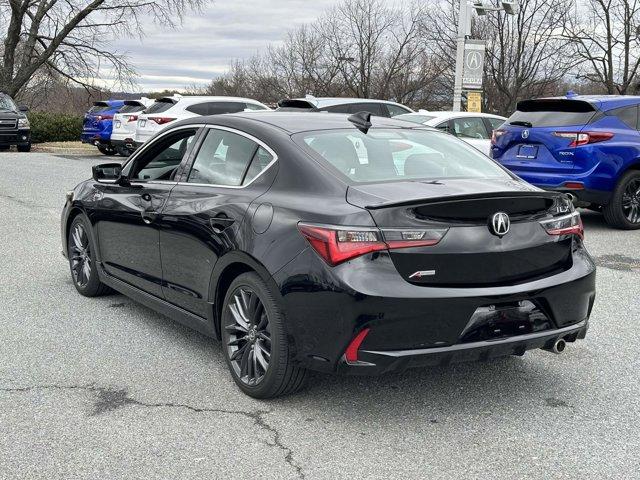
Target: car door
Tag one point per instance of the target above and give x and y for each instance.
(473, 131)
(202, 218)
(127, 212)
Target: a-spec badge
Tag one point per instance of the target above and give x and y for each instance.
(422, 273)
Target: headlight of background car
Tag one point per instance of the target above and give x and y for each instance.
(23, 123)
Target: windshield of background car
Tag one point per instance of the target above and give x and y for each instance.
(552, 113)
(414, 118)
(159, 106)
(6, 103)
(397, 154)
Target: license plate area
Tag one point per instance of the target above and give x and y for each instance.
(143, 123)
(118, 124)
(527, 151)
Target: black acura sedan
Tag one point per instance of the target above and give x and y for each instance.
(324, 242)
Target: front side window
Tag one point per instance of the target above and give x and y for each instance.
(161, 160)
(397, 154)
(469, 127)
(228, 159)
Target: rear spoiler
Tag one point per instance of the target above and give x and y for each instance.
(473, 196)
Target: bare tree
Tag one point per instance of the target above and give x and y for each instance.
(605, 35)
(70, 38)
(526, 55)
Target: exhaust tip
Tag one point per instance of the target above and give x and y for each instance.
(558, 346)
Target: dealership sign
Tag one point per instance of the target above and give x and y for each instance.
(473, 67)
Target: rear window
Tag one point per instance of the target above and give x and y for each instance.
(415, 118)
(397, 154)
(160, 106)
(131, 108)
(552, 113)
(100, 107)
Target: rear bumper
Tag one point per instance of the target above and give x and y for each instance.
(94, 137)
(414, 325)
(379, 362)
(588, 195)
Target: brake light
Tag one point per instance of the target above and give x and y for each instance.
(567, 225)
(351, 353)
(495, 135)
(161, 120)
(104, 117)
(337, 244)
(132, 118)
(584, 138)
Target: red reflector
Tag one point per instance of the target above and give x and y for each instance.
(574, 185)
(351, 353)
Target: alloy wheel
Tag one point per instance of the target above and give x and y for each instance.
(80, 256)
(249, 342)
(631, 201)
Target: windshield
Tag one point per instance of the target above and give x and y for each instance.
(410, 117)
(397, 154)
(6, 103)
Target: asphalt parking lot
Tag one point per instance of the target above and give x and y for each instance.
(105, 388)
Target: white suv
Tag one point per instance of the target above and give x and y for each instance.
(168, 109)
(124, 125)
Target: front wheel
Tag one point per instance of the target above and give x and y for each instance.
(82, 259)
(255, 341)
(623, 211)
(107, 150)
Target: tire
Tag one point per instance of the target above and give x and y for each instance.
(623, 211)
(4, 148)
(81, 251)
(24, 148)
(107, 150)
(251, 299)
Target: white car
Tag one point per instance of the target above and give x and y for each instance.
(168, 109)
(124, 125)
(474, 128)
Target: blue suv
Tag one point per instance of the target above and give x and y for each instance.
(98, 124)
(586, 146)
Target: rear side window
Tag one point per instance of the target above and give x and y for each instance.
(223, 159)
(160, 106)
(552, 113)
(628, 115)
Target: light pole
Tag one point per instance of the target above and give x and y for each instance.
(464, 30)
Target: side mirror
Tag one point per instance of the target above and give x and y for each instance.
(23, 108)
(107, 172)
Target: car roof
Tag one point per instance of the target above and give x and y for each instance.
(296, 122)
(321, 102)
(450, 114)
(207, 98)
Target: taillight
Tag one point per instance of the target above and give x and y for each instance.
(584, 138)
(495, 135)
(104, 117)
(161, 120)
(567, 225)
(336, 245)
(132, 118)
(351, 353)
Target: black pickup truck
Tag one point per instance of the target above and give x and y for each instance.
(14, 125)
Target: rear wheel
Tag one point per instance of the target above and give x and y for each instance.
(82, 259)
(624, 209)
(255, 342)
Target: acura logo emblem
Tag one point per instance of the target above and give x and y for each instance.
(525, 134)
(500, 224)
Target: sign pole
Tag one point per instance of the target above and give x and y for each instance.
(464, 29)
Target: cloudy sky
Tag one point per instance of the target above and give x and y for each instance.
(207, 42)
